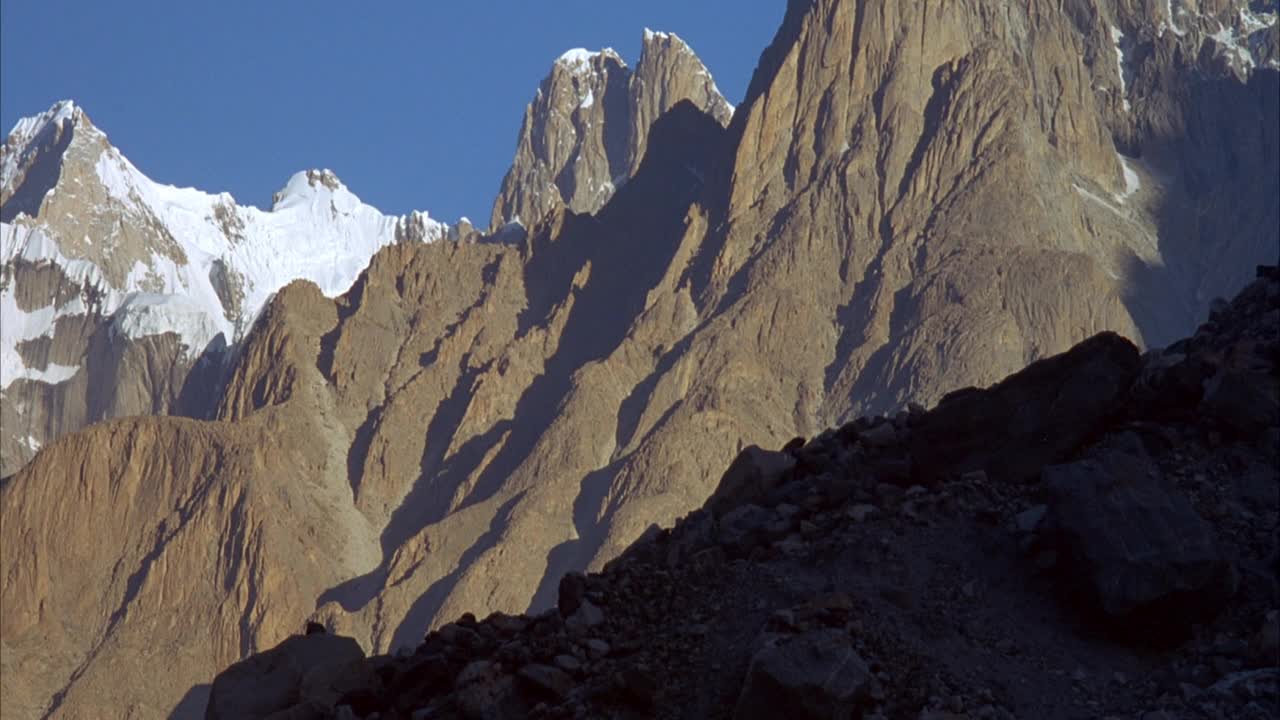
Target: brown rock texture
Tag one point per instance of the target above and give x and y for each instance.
(1110, 584)
(913, 197)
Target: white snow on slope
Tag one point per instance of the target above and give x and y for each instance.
(1131, 182)
(573, 56)
(145, 314)
(579, 59)
(1117, 38)
(1170, 24)
(1253, 22)
(316, 230)
(1233, 46)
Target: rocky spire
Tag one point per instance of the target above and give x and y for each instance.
(667, 73)
(585, 131)
(572, 141)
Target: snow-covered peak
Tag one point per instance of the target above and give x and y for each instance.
(319, 189)
(579, 59)
(55, 117)
(652, 36)
(155, 258)
(32, 136)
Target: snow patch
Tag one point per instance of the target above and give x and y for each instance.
(1231, 45)
(578, 60)
(1131, 181)
(17, 325)
(53, 374)
(1169, 24)
(574, 56)
(28, 127)
(1253, 22)
(146, 314)
(1097, 199)
(587, 100)
(1117, 38)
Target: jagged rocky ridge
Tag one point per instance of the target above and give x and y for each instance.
(936, 564)
(117, 288)
(472, 420)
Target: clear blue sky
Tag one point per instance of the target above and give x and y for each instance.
(415, 105)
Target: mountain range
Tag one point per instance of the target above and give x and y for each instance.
(395, 421)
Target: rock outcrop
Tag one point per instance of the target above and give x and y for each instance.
(956, 600)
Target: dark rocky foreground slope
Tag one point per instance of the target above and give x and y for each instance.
(1094, 536)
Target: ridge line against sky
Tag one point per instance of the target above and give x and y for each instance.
(414, 105)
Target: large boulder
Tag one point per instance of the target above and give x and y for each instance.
(751, 476)
(272, 681)
(1032, 418)
(1133, 547)
(815, 675)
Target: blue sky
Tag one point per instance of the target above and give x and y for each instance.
(415, 105)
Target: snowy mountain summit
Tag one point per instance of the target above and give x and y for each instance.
(89, 242)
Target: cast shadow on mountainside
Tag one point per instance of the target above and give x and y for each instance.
(615, 274)
(589, 508)
(1221, 188)
(571, 555)
(192, 705)
(1070, 523)
(414, 625)
(32, 191)
(402, 525)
